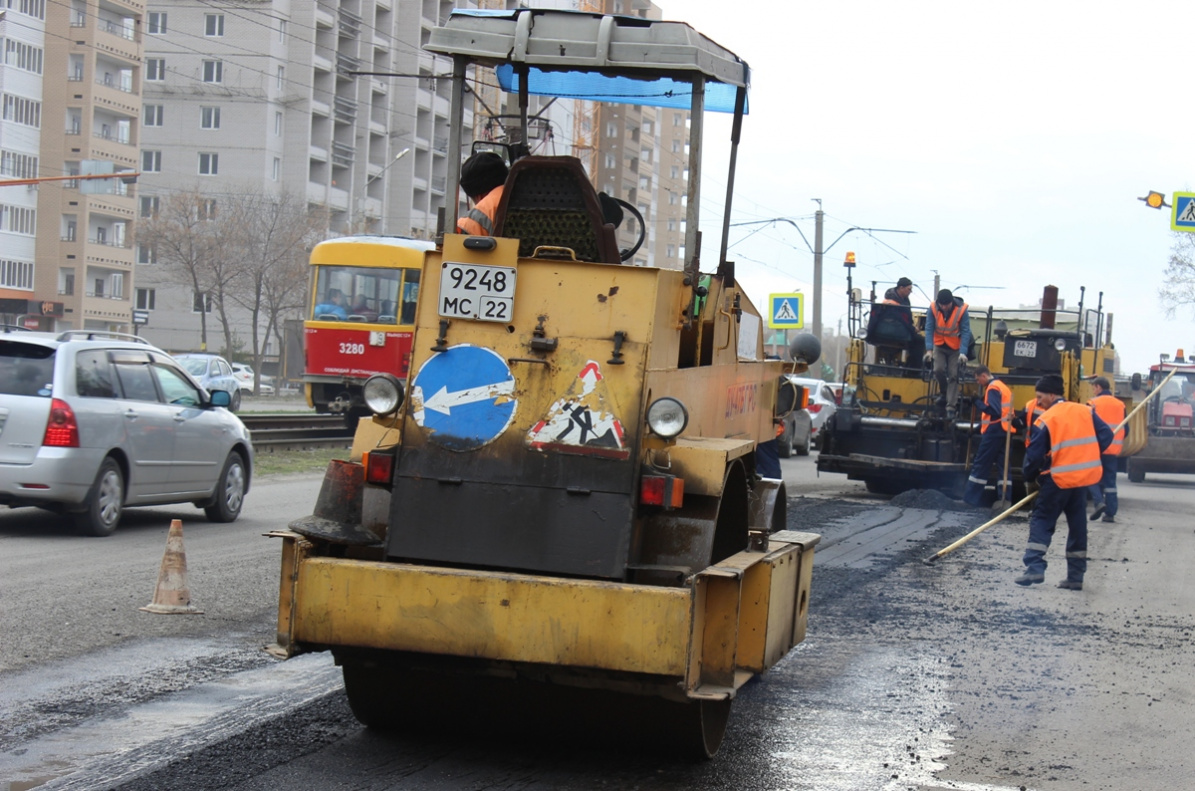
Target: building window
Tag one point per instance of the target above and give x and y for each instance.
(16, 274)
(209, 164)
(23, 56)
(610, 162)
(18, 219)
(157, 22)
(151, 161)
(282, 30)
(22, 111)
(281, 77)
(611, 129)
(213, 71)
(213, 24)
(152, 115)
(33, 8)
(207, 209)
(277, 168)
(149, 205)
(155, 69)
(19, 166)
(209, 117)
(278, 124)
(146, 254)
(145, 298)
(201, 302)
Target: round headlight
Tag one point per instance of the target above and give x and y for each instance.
(667, 417)
(1060, 344)
(383, 394)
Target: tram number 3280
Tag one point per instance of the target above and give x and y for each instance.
(478, 292)
(352, 348)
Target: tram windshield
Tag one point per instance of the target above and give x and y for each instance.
(365, 294)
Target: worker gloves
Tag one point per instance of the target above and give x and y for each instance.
(929, 357)
(962, 359)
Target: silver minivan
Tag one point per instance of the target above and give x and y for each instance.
(94, 422)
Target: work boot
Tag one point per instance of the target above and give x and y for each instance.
(1029, 578)
(1071, 585)
(1099, 509)
(1109, 518)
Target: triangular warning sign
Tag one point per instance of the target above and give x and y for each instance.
(784, 311)
(579, 422)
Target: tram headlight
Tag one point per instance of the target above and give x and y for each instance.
(667, 417)
(383, 394)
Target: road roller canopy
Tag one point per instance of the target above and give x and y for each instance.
(595, 57)
(601, 58)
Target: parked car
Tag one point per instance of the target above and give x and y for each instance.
(94, 422)
(244, 375)
(821, 403)
(212, 372)
(798, 434)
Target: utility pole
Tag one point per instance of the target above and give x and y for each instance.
(819, 218)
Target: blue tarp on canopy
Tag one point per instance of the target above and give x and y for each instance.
(591, 86)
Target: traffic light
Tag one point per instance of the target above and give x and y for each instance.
(1155, 200)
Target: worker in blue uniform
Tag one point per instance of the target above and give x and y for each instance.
(1063, 459)
(995, 426)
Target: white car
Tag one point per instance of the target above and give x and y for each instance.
(244, 375)
(822, 403)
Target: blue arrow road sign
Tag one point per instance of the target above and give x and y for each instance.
(1182, 216)
(464, 397)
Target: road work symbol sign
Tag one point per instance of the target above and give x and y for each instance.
(1182, 216)
(581, 422)
(464, 397)
(787, 311)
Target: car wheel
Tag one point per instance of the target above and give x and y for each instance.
(803, 450)
(236, 401)
(784, 445)
(105, 502)
(230, 491)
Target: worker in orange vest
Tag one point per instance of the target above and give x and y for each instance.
(995, 422)
(947, 339)
(1111, 410)
(483, 178)
(1063, 459)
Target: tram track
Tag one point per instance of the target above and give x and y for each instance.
(297, 431)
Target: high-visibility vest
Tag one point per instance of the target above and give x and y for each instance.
(1074, 450)
(1030, 409)
(946, 331)
(1005, 406)
(1111, 411)
(480, 219)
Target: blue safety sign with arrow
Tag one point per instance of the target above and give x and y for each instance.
(463, 397)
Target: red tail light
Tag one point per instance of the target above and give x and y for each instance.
(379, 467)
(62, 431)
(814, 408)
(663, 490)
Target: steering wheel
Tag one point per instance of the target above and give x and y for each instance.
(624, 255)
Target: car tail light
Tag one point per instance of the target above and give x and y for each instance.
(379, 467)
(62, 430)
(814, 408)
(667, 491)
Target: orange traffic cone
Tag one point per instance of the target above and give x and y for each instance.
(172, 594)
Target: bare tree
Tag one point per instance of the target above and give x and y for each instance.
(274, 233)
(1178, 286)
(186, 243)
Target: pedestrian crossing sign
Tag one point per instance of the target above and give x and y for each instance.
(1182, 213)
(786, 311)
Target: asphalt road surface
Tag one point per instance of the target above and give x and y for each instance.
(912, 676)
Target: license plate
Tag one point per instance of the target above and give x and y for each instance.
(1024, 349)
(477, 291)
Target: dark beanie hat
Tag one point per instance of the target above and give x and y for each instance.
(481, 173)
(945, 297)
(1102, 382)
(1050, 383)
(904, 281)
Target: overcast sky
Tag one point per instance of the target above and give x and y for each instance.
(1014, 138)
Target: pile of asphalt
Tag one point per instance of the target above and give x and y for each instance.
(930, 500)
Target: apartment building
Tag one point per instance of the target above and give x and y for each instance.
(333, 101)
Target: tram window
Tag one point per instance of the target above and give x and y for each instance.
(410, 296)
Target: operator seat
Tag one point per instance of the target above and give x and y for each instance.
(549, 203)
